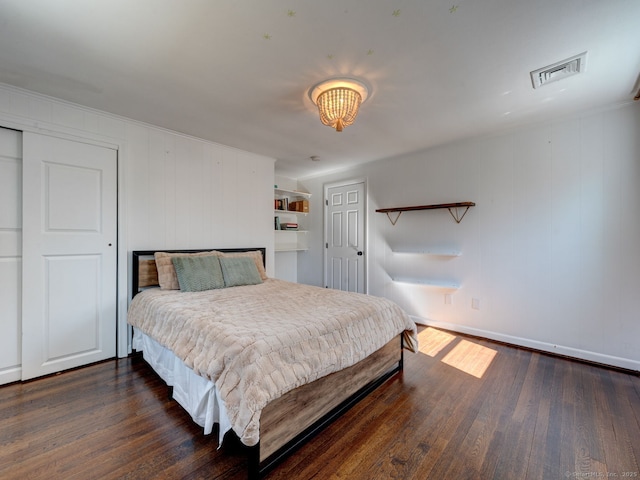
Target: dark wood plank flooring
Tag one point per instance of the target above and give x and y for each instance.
(528, 416)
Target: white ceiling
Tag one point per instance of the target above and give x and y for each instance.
(238, 72)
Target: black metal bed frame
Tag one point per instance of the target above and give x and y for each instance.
(257, 469)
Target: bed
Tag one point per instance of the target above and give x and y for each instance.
(271, 360)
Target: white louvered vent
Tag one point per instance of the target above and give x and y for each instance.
(558, 71)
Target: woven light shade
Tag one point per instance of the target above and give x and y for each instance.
(338, 107)
(338, 101)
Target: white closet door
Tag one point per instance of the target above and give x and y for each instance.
(69, 254)
(10, 254)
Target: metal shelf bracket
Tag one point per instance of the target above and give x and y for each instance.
(456, 216)
(395, 219)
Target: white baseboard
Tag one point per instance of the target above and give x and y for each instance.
(11, 374)
(595, 357)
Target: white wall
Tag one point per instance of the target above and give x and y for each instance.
(175, 191)
(550, 251)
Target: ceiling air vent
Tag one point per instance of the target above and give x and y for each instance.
(558, 71)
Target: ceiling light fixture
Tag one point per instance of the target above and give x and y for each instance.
(338, 101)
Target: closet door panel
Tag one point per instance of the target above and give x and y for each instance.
(10, 255)
(69, 274)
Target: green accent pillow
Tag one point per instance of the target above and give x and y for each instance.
(239, 271)
(196, 274)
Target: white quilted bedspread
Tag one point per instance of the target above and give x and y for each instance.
(258, 342)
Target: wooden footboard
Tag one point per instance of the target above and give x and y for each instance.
(292, 419)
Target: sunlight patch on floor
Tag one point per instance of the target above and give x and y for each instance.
(470, 357)
(432, 341)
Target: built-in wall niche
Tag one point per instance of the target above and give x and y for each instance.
(443, 252)
(428, 261)
(290, 208)
(428, 267)
(417, 260)
(431, 283)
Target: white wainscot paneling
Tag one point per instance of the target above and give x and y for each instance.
(10, 323)
(10, 255)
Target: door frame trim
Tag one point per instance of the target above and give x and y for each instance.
(325, 226)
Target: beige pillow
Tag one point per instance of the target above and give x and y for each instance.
(167, 278)
(256, 255)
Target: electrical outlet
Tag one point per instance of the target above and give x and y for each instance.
(447, 299)
(475, 303)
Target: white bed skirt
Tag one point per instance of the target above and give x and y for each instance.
(197, 395)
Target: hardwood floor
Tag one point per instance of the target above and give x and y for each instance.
(516, 415)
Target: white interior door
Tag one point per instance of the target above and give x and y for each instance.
(69, 254)
(345, 264)
(10, 255)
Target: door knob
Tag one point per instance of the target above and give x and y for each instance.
(359, 253)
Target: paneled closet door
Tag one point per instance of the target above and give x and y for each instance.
(69, 254)
(10, 254)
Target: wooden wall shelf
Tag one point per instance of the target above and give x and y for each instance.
(449, 206)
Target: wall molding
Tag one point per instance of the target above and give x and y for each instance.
(559, 350)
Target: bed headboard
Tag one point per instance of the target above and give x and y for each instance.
(145, 274)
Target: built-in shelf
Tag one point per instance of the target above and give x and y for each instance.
(290, 240)
(289, 212)
(292, 248)
(452, 207)
(439, 284)
(293, 193)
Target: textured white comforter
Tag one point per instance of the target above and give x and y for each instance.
(258, 342)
